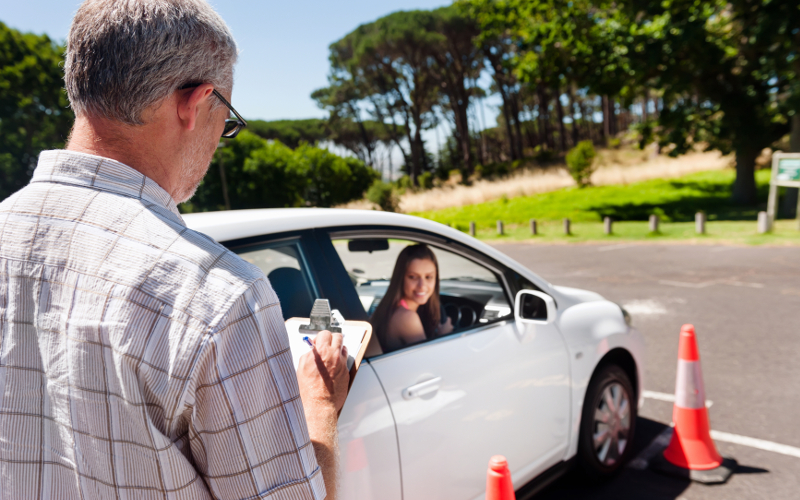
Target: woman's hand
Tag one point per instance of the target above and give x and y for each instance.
(447, 327)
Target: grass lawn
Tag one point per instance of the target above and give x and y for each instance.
(674, 200)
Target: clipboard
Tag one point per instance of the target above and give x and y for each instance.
(357, 336)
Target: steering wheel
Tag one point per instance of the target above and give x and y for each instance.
(462, 315)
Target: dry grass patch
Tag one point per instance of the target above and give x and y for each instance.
(616, 167)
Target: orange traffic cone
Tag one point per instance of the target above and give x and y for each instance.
(691, 452)
(498, 480)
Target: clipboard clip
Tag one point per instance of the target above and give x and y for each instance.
(321, 319)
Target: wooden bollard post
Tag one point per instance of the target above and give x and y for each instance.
(567, 227)
(700, 223)
(607, 225)
(534, 231)
(654, 220)
(763, 223)
(500, 227)
(472, 228)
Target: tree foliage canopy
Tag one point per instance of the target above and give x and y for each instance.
(717, 73)
(268, 174)
(34, 113)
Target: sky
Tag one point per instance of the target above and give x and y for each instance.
(283, 44)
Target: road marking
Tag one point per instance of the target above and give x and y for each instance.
(743, 283)
(705, 284)
(760, 444)
(644, 307)
(687, 285)
(669, 398)
(614, 247)
(660, 443)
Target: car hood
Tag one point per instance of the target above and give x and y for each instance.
(571, 296)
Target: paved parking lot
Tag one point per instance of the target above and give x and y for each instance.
(745, 305)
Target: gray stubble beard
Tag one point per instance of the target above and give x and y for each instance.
(193, 165)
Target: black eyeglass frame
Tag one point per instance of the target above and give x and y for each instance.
(239, 123)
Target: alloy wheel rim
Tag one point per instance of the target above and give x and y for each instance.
(612, 424)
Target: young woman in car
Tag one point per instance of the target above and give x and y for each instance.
(410, 312)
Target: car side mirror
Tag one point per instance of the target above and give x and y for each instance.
(534, 307)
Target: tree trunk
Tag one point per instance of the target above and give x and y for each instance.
(517, 127)
(462, 130)
(613, 123)
(544, 112)
(364, 135)
(645, 102)
(575, 132)
(562, 130)
(744, 188)
(512, 147)
(606, 120)
(588, 124)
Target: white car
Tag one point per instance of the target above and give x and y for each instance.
(543, 374)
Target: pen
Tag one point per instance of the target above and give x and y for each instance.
(307, 341)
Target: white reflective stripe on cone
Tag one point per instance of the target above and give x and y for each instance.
(689, 390)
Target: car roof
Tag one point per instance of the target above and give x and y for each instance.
(236, 224)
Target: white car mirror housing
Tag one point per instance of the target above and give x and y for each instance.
(531, 306)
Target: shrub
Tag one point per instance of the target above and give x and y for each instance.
(331, 179)
(383, 194)
(580, 161)
(266, 174)
(542, 155)
(404, 183)
(426, 180)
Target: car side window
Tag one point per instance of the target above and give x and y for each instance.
(470, 294)
(286, 268)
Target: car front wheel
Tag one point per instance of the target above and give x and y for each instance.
(607, 423)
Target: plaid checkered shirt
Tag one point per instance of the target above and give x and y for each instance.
(138, 358)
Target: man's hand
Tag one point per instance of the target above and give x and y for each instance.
(323, 378)
(322, 373)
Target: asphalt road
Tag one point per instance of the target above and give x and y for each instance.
(745, 305)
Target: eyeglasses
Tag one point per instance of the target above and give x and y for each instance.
(232, 127)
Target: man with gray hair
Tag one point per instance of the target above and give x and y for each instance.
(138, 358)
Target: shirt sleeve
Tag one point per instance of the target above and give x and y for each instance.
(248, 436)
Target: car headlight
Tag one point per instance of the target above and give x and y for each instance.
(627, 316)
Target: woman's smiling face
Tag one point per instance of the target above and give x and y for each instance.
(420, 281)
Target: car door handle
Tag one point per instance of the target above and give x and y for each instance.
(428, 387)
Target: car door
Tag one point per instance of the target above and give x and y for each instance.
(299, 273)
(491, 387)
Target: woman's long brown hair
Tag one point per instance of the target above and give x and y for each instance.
(429, 313)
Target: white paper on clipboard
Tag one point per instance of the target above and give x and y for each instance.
(356, 336)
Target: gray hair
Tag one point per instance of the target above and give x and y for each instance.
(124, 56)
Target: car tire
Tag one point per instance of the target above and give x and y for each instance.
(608, 422)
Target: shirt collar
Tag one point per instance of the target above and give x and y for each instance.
(105, 174)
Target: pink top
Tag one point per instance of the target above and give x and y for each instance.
(403, 304)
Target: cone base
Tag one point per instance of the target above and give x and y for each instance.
(717, 475)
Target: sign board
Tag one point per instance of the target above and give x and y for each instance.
(788, 170)
(785, 172)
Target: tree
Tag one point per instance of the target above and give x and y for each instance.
(291, 132)
(341, 99)
(496, 41)
(725, 72)
(34, 113)
(457, 61)
(269, 174)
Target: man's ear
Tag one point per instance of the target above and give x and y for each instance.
(189, 102)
